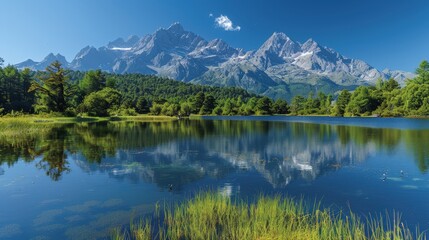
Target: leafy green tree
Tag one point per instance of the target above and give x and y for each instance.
(297, 105)
(379, 83)
(341, 104)
(311, 105)
(2, 88)
(185, 109)
(359, 102)
(280, 106)
(250, 106)
(198, 102)
(112, 96)
(111, 82)
(217, 110)
(126, 103)
(263, 106)
(93, 81)
(159, 100)
(387, 99)
(142, 105)
(390, 85)
(53, 89)
(424, 109)
(26, 98)
(208, 105)
(12, 95)
(325, 103)
(172, 109)
(422, 73)
(96, 105)
(156, 109)
(102, 103)
(14, 86)
(414, 96)
(228, 108)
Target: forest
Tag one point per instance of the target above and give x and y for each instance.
(386, 99)
(61, 92)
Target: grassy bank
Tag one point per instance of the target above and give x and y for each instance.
(49, 119)
(23, 127)
(212, 216)
(145, 118)
(33, 125)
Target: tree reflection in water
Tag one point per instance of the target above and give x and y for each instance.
(187, 150)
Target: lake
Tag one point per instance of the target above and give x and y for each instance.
(78, 181)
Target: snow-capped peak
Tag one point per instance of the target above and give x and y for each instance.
(121, 49)
(176, 28)
(309, 45)
(183, 55)
(279, 44)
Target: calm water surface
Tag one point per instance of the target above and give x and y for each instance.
(78, 181)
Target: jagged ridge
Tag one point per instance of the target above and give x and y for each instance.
(273, 69)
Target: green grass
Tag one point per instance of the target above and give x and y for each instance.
(32, 125)
(22, 127)
(196, 117)
(145, 118)
(212, 216)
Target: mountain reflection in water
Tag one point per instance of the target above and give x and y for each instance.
(184, 151)
(78, 181)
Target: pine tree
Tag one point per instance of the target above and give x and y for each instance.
(53, 89)
(342, 101)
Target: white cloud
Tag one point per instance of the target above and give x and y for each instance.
(211, 15)
(225, 23)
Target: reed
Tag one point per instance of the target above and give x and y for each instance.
(33, 125)
(145, 118)
(212, 216)
(23, 127)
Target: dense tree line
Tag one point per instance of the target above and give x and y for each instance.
(386, 99)
(96, 93)
(14, 87)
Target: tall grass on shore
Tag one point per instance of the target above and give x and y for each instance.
(212, 216)
(23, 128)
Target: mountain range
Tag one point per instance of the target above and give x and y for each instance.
(280, 68)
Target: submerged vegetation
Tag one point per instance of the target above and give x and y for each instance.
(213, 216)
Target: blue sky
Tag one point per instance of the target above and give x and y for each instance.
(387, 34)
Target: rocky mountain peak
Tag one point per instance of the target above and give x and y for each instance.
(276, 41)
(218, 45)
(55, 57)
(176, 28)
(310, 45)
(279, 44)
(183, 55)
(85, 51)
(121, 43)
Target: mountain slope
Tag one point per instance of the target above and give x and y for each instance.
(272, 69)
(44, 63)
